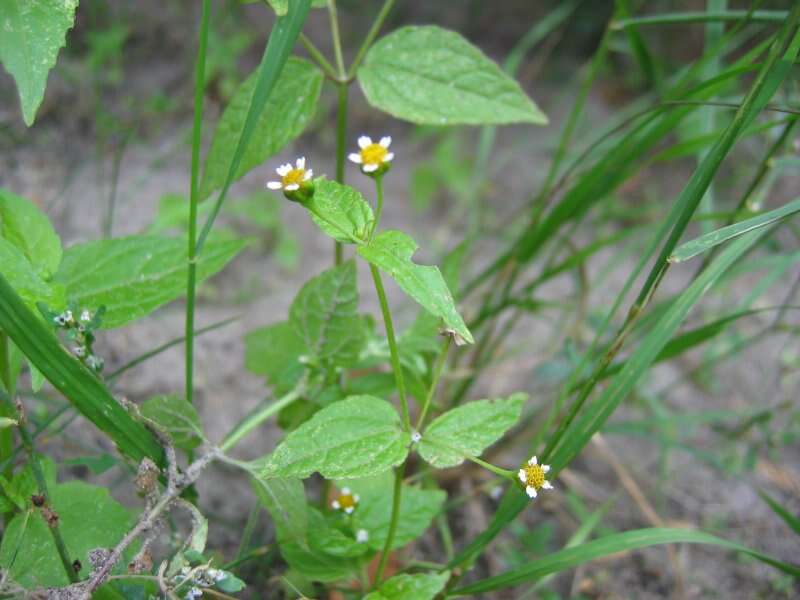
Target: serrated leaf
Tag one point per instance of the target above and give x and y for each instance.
(25, 280)
(288, 110)
(418, 507)
(429, 75)
(327, 539)
(33, 33)
(132, 276)
(340, 211)
(354, 437)
(325, 315)
(177, 418)
(89, 518)
(29, 229)
(391, 251)
(421, 586)
(468, 430)
(285, 500)
(273, 352)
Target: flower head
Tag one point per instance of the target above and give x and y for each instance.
(374, 158)
(416, 437)
(362, 536)
(532, 476)
(294, 180)
(346, 501)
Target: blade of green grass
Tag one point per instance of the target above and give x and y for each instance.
(83, 389)
(792, 521)
(683, 18)
(620, 542)
(714, 238)
(281, 41)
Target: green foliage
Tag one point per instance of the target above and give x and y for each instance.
(33, 33)
(422, 586)
(429, 75)
(391, 252)
(354, 437)
(340, 211)
(285, 499)
(175, 417)
(132, 276)
(23, 225)
(273, 351)
(468, 430)
(288, 110)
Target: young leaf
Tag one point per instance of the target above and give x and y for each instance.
(468, 430)
(29, 229)
(89, 518)
(175, 417)
(355, 437)
(23, 278)
(391, 251)
(418, 507)
(428, 75)
(290, 107)
(285, 499)
(33, 33)
(273, 352)
(421, 586)
(340, 211)
(325, 314)
(132, 276)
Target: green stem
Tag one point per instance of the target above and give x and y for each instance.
(318, 57)
(387, 547)
(438, 367)
(371, 35)
(490, 467)
(341, 142)
(191, 282)
(395, 355)
(6, 407)
(379, 205)
(337, 42)
(259, 416)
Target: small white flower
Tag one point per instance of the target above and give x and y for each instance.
(346, 501)
(80, 351)
(532, 476)
(68, 316)
(291, 177)
(86, 316)
(194, 593)
(416, 437)
(373, 156)
(362, 535)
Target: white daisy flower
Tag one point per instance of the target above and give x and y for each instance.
(532, 476)
(291, 177)
(362, 535)
(346, 501)
(374, 158)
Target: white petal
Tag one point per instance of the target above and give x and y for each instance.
(547, 485)
(388, 157)
(335, 504)
(385, 141)
(355, 157)
(531, 491)
(522, 477)
(369, 168)
(348, 510)
(364, 141)
(356, 497)
(309, 174)
(301, 162)
(546, 468)
(346, 491)
(292, 187)
(283, 169)
(532, 461)
(274, 185)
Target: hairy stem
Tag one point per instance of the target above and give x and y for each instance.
(341, 142)
(387, 547)
(438, 367)
(379, 204)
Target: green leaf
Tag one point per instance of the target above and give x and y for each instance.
(391, 251)
(468, 430)
(340, 211)
(714, 238)
(282, 6)
(325, 315)
(422, 586)
(33, 33)
(791, 520)
(289, 109)
(89, 518)
(418, 507)
(132, 276)
(23, 278)
(611, 544)
(230, 584)
(355, 437)
(285, 500)
(177, 418)
(428, 75)
(29, 229)
(316, 565)
(6, 422)
(273, 352)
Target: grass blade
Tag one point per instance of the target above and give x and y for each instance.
(788, 518)
(85, 391)
(683, 18)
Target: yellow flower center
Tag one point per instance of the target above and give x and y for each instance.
(294, 176)
(534, 476)
(347, 501)
(374, 154)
